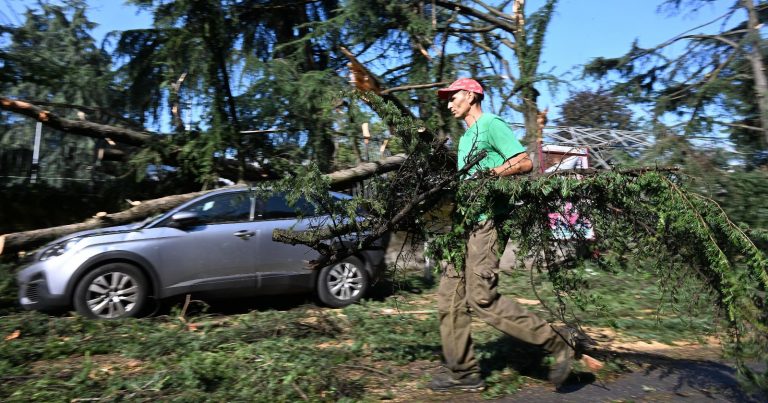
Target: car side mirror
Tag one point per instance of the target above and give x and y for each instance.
(185, 219)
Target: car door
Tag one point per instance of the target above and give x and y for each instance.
(282, 266)
(219, 251)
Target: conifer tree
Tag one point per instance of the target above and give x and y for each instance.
(717, 82)
(596, 109)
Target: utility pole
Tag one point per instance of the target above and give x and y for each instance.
(36, 153)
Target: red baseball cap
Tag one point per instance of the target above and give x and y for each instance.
(467, 84)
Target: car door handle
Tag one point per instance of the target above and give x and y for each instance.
(244, 234)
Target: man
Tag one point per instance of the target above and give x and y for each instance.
(475, 287)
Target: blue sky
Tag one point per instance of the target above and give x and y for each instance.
(580, 30)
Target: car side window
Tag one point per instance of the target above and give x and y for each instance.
(276, 207)
(223, 208)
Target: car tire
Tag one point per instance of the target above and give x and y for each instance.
(112, 291)
(343, 283)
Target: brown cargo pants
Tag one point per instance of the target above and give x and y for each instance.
(476, 288)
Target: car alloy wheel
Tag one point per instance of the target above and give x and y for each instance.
(113, 291)
(343, 283)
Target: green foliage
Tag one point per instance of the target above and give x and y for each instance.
(640, 216)
(218, 70)
(397, 338)
(634, 301)
(301, 354)
(8, 289)
(38, 58)
(38, 64)
(217, 363)
(742, 194)
(647, 222)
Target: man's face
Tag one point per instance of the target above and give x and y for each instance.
(459, 104)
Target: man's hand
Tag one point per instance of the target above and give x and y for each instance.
(482, 174)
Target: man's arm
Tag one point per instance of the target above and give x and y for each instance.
(519, 164)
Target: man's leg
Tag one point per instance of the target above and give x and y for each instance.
(482, 275)
(462, 371)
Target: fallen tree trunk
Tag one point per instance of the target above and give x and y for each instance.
(26, 240)
(19, 241)
(345, 177)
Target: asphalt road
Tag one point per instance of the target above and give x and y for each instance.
(652, 379)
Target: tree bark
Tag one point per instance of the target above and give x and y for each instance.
(343, 178)
(758, 68)
(174, 99)
(18, 241)
(364, 81)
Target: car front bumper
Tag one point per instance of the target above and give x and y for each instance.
(34, 294)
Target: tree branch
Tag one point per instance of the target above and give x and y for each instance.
(414, 87)
(469, 11)
(85, 128)
(342, 178)
(130, 123)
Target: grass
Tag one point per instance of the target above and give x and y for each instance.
(376, 350)
(630, 302)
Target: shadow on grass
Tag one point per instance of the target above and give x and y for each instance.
(388, 286)
(385, 288)
(218, 305)
(506, 352)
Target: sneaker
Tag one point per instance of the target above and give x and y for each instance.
(561, 368)
(447, 381)
(581, 342)
(563, 359)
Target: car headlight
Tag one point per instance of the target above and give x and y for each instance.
(58, 249)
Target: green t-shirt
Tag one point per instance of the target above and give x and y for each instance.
(492, 134)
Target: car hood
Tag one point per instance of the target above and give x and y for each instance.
(99, 231)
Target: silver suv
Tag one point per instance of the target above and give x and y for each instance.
(219, 243)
